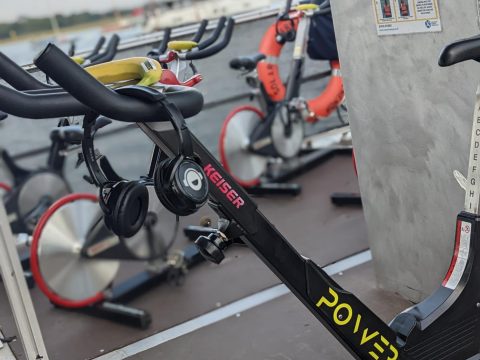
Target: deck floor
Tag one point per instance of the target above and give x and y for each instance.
(277, 330)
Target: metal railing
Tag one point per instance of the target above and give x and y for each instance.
(182, 31)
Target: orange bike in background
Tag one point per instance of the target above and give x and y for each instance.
(251, 138)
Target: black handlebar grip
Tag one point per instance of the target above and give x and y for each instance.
(17, 77)
(166, 39)
(97, 48)
(39, 106)
(86, 89)
(212, 50)
(162, 45)
(109, 52)
(215, 35)
(201, 30)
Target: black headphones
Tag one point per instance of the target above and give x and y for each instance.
(180, 183)
(125, 206)
(124, 203)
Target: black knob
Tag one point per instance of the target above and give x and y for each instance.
(209, 247)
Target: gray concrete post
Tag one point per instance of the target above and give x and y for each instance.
(411, 122)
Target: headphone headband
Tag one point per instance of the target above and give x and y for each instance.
(183, 133)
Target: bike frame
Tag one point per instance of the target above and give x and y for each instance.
(455, 307)
(261, 142)
(298, 58)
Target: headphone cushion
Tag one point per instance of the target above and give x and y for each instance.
(129, 209)
(162, 185)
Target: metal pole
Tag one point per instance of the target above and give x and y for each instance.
(18, 295)
(53, 20)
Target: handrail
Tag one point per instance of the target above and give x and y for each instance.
(182, 31)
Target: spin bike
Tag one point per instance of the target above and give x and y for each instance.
(34, 190)
(444, 326)
(83, 280)
(95, 56)
(253, 142)
(177, 57)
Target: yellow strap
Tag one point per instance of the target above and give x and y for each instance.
(306, 7)
(144, 70)
(78, 59)
(182, 45)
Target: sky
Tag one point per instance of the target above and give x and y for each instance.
(12, 10)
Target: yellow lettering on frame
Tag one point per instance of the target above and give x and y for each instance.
(394, 352)
(324, 300)
(345, 321)
(366, 338)
(378, 347)
(357, 323)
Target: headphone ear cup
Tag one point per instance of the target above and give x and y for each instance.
(108, 204)
(171, 189)
(190, 185)
(162, 184)
(129, 210)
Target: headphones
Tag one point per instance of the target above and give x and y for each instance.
(180, 183)
(124, 203)
(125, 206)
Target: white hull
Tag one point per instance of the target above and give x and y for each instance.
(202, 10)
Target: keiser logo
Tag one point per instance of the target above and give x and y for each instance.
(217, 179)
(343, 316)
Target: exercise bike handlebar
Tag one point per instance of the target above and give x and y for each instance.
(201, 31)
(17, 77)
(212, 50)
(44, 106)
(97, 48)
(86, 89)
(162, 45)
(215, 34)
(109, 53)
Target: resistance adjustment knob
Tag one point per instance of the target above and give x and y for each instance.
(211, 247)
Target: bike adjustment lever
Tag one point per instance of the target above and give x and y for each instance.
(212, 246)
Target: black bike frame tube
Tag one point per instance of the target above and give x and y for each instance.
(56, 160)
(296, 67)
(288, 5)
(347, 318)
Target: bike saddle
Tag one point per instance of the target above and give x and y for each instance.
(141, 92)
(247, 63)
(461, 50)
(188, 100)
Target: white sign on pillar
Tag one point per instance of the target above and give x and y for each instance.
(395, 17)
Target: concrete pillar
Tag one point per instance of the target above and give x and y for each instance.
(411, 122)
